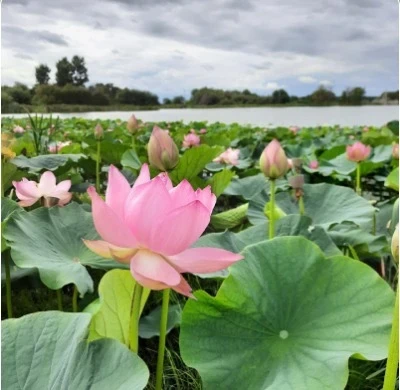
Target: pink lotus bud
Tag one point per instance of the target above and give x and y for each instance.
(313, 164)
(395, 151)
(190, 140)
(294, 129)
(273, 161)
(18, 130)
(290, 163)
(358, 152)
(98, 131)
(296, 182)
(230, 156)
(365, 129)
(162, 151)
(132, 124)
(395, 244)
(203, 131)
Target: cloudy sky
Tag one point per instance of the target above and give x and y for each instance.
(172, 46)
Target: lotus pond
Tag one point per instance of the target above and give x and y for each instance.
(135, 258)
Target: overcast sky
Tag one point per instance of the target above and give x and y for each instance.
(172, 46)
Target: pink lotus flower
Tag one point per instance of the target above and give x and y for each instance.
(294, 129)
(365, 129)
(132, 125)
(290, 163)
(190, 140)
(18, 129)
(152, 225)
(29, 192)
(395, 151)
(203, 131)
(98, 131)
(55, 148)
(313, 164)
(273, 161)
(358, 152)
(162, 151)
(230, 156)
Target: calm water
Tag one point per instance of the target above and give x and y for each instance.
(260, 116)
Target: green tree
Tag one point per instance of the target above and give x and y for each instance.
(353, 96)
(80, 72)
(322, 96)
(42, 73)
(280, 96)
(65, 72)
(178, 100)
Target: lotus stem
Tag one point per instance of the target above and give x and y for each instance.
(133, 143)
(135, 317)
(358, 179)
(59, 299)
(272, 210)
(161, 343)
(393, 357)
(98, 167)
(75, 300)
(8, 284)
(301, 205)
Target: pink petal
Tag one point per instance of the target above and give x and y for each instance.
(27, 203)
(182, 194)
(117, 191)
(47, 183)
(108, 251)
(184, 288)
(166, 180)
(63, 186)
(145, 206)
(26, 190)
(144, 176)
(179, 229)
(206, 197)
(154, 268)
(203, 260)
(64, 198)
(108, 224)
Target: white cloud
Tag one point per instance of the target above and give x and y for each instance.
(307, 80)
(326, 83)
(273, 86)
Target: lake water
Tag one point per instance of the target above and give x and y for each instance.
(259, 116)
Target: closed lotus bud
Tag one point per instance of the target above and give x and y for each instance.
(162, 151)
(395, 151)
(358, 152)
(98, 131)
(296, 182)
(273, 161)
(395, 245)
(132, 125)
(313, 164)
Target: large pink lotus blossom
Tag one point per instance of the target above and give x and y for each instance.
(29, 192)
(18, 129)
(230, 156)
(190, 140)
(358, 152)
(152, 225)
(55, 148)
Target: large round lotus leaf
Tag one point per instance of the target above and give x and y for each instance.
(49, 350)
(47, 161)
(325, 204)
(287, 317)
(50, 239)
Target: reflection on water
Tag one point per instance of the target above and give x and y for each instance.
(259, 116)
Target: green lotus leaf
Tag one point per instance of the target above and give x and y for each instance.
(49, 350)
(287, 317)
(47, 161)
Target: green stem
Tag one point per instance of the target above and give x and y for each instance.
(59, 299)
(8, 284)
(98, 167)
(272, 210)
(358, 179)
(135, 317)
(133, 143)
(161, 343)
(393, 358)
(75, 300)
(301, 205)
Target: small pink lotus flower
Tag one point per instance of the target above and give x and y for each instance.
(98, 131)
(294, 129)
(230, 156)
(395, 151)
(190, 140)
(365, 129)
(152, 226)
(358, 152)
(313, 164)
(29, 192)
(18, 129)
(55, 148)
(290, 163)
(132, 125)
(273, 161)
(203, 131)
(162, 151)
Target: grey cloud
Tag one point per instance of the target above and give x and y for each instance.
(24, 38)
(23, 56)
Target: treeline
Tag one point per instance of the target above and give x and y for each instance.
(71, 76)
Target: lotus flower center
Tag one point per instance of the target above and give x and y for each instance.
(283, 334)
